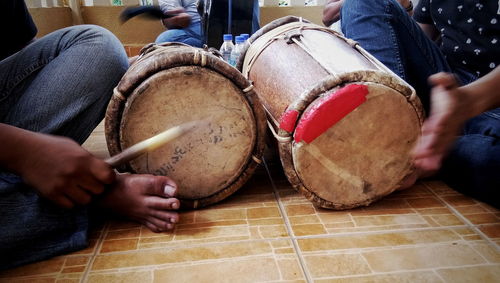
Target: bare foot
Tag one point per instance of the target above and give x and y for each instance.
(449, 111)
(146, 199)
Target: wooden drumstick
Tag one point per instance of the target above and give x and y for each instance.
(151, 144)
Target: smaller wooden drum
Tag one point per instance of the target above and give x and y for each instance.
(172, 84)
(345, 124)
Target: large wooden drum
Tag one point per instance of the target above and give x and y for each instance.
(172, 84)
(345, 124)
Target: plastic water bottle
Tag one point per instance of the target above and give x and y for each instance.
(227, 46)
(246, 36)
(235, 54)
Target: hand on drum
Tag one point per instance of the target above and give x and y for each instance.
(439, 130)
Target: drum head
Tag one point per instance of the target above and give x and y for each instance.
(205, 160)
(363, 156)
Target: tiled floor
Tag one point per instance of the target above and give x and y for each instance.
(267, 232)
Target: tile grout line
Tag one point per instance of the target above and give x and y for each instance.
(288, 226)
(98, 246)
(465, 220)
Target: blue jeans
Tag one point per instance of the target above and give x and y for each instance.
(190, 35)
(60, 84)
(384, 29)
(256, 16)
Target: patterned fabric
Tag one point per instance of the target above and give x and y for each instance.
(469, 29)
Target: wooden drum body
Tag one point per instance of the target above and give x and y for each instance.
(172, 84)
(345, 124)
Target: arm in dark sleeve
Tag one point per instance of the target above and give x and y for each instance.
(422, 15)
(422, 12)
(14, 13)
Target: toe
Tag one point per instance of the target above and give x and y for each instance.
(161, 186)
(159, 225)
(159, 203)
(167, 216)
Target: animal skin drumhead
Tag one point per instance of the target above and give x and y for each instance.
(207, 159)
(365, 154)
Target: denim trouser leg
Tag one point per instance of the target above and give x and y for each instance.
(190, 35)
(255, 16)
(384, 29)
(60, 84)
(473, 166)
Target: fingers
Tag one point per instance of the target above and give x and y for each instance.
(79, 196)
(102, 171)
(446, 80)
(63, 201)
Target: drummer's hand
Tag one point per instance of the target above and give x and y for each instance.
(181, 20)
(63, 172)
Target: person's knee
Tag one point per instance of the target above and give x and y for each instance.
(171, 35)
(363, 6)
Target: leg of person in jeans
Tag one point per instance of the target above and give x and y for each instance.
(473, 165)
(385, 30)
(60, 84)
(255, 16)
(190, 35)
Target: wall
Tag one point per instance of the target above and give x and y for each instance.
(50, 19)
(135, 31)
(138, 31)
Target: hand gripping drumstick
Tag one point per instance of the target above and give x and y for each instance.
(151, 143)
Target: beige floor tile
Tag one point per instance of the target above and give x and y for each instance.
(255, 269)
(427, 202)
(52, 269)
(432, 256)
(410, 277)
(372, 240)
(482, 218)
(308, 229)
(331, 265)
(483, 274)
(492, 231)
(121, 277)
(119, 245)
(155, 257)
(487, 250)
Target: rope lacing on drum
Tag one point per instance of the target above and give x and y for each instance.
(256, 159)
(247, 89)
(280, 139)
(200, 55)
(295, 34)
(118, 95)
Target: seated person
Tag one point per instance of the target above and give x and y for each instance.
(443, 36)
(185, 26)
(53, 92)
